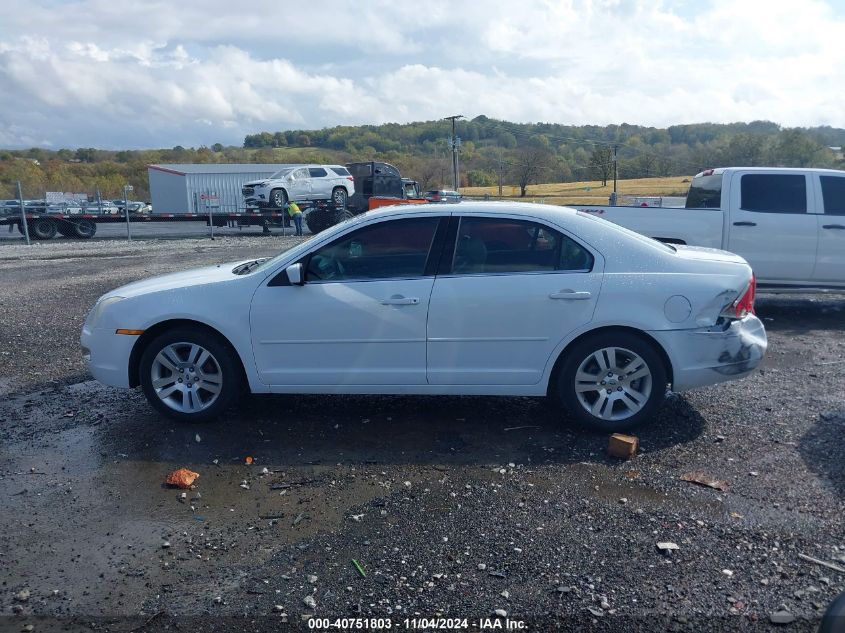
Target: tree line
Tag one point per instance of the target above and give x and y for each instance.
(491, 152)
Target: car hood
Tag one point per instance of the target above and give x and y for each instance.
(193, 277)
(701, 253)
(255, 183)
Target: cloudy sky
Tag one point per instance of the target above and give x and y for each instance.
(136, 74)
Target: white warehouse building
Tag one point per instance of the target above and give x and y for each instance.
(200, 188)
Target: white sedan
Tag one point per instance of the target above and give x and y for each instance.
(482, 298)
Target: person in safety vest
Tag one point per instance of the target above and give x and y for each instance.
(296, 214)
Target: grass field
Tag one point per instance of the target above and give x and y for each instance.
(588, 192)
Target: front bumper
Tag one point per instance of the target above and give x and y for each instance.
(707, 356)
(107, 354)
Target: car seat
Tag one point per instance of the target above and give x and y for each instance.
(470, 255)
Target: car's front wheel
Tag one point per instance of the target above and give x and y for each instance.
(189, 375)
(278, 198)
(612, 382)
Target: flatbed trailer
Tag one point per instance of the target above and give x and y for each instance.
(45, 226)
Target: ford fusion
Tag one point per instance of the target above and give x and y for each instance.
(484, 298)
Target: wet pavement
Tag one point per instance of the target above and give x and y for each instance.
(452, 507)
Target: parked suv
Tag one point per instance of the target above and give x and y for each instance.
(300, 183)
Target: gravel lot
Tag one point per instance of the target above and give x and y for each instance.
(453, 507)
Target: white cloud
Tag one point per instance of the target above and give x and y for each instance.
(117, 73)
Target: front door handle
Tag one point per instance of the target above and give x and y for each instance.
(833, 226)
(399, 300)
(571, 295)
(745, 224)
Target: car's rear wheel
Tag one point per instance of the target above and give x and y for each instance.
(189, 375)
(339, 196)
(278, 198)
(612, 382)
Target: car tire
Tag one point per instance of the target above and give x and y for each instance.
(612, 382)
(43, 229)
(340, 197)
(84, 229)
(202, 357)
(278, 199)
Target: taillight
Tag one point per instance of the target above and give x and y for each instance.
(744, 305)
(350, 178)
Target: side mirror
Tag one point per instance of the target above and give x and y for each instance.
(295, 275)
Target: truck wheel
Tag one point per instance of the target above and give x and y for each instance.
(339, 197)
(342, 216)
(43, 229)
(189, 375)
(612, 382)
(84, 229)
(315, 222)
(65, 229)
(278, 198)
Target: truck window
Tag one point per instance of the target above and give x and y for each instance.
(833, 192)
(773, 193)
(705, 192)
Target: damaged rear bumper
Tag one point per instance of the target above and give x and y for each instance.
(707, 356)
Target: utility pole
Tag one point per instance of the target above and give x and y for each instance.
(615, 173)
(455, 142)
(501, 175)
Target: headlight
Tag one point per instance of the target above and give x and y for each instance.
(99, 308)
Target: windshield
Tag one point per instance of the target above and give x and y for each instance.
(638, 236)
(280, 174)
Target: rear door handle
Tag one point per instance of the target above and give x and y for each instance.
(833, 226)
(745, 224)
(571, 295)
(399, 300)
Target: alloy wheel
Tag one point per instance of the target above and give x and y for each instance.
(613, 383)
(186, 377)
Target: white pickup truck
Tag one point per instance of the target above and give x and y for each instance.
(789, 224)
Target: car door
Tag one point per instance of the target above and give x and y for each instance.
(321, 186)
(299, 187)
(512, 290)
(771, 226)
(360, 317)
(830, 262)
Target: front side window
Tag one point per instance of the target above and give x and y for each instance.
(299, 174)
(833, 192)
(387, 250)
(774, 193)
(317, 172)
(492, 245)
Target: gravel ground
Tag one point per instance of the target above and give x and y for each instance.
(453, 507)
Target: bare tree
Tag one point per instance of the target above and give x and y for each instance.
(601, 164)
(528, 166)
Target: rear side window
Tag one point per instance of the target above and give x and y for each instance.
(833, 192)
(317, 172)
(705, 192)
(491, 245)
(340, 171)
(774, 193)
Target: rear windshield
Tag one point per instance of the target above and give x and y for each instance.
(340, 171)
(705, 192)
